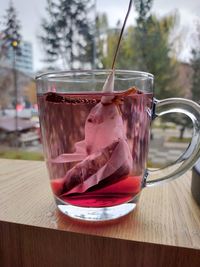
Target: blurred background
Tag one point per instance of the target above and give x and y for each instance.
(161, 37)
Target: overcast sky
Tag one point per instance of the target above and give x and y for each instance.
(31, 12)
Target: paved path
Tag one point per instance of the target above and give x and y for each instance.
(162, 152)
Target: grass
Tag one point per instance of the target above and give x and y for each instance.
(178, 140)
(20, 154)
(163, 126)
(154, 165)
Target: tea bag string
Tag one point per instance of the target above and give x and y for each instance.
(109, 83)
(121, 34)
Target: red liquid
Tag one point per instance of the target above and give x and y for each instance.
(113, 194)
(63, 125)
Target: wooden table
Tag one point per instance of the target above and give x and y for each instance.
(164, 229)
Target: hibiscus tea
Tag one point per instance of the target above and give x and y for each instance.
(95, 153)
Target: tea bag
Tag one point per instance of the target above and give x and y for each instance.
(111, 162)
(103, 121)
(104, 153)
(79, 154)
(103, 125)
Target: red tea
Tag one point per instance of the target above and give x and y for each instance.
(95, 152)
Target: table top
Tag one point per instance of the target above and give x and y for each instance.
(165, 215)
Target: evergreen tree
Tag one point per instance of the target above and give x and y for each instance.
(50, 36)
(147, 47)
(1, 46)
(101, 33)
(66, 32)
(154, 50)
(143, 8)
(11, 36)
(195, 62)
(11, 39)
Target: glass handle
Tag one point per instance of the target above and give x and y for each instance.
(192, 153)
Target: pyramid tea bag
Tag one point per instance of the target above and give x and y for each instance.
(104, 153)
(112, 162)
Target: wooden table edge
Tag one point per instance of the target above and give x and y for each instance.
(35, 240)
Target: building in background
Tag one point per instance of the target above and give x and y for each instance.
(24, 61)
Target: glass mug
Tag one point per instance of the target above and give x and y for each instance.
(96, 143)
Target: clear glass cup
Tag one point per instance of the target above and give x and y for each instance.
(96, 143)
